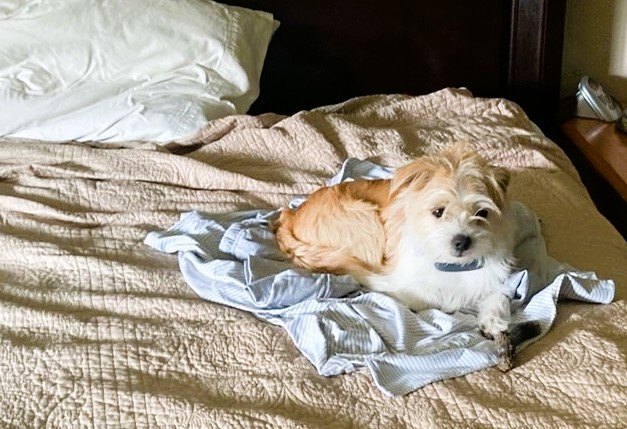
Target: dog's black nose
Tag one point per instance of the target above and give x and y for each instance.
(461, 243)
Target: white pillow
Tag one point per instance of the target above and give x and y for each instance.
(114, 70)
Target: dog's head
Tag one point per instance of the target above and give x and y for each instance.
(453, 204)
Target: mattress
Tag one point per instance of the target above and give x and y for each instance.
(99, 330)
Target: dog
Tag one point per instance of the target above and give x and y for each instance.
(438, 234)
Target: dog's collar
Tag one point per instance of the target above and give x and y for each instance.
(450, 267)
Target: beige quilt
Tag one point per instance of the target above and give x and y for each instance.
(98, 330)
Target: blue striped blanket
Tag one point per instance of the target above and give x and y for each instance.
(232, 259)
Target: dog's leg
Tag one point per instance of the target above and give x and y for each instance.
(493, 318)
(494, 314)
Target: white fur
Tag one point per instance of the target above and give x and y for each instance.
(417, 282)
(390, 235)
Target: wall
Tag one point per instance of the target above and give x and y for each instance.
(595, 44)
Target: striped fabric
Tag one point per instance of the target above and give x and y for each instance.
(232, 259)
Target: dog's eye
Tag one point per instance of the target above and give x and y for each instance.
(438, 212)
(482, 213)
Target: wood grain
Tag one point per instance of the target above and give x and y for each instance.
(604, 146)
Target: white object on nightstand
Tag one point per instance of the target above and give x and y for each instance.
(593, 102)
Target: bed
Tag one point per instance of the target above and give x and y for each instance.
(99, 329)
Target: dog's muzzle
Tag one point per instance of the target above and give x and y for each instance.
(460, 244)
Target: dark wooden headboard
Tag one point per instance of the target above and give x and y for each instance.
(327, 51)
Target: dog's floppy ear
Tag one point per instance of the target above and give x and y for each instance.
(417, 174)
(502, 177)
(499, 179)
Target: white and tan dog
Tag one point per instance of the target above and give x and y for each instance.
(439, 234)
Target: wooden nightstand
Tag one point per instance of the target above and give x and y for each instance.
(604, 146)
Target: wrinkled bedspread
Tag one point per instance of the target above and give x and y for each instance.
(99, 330)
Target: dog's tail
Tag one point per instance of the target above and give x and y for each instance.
(316, 257)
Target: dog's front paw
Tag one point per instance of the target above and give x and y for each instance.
(493, 327)
(494, 316)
